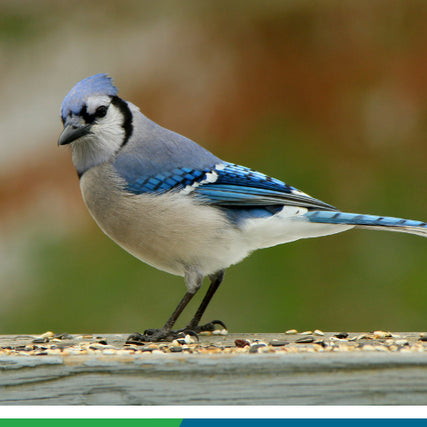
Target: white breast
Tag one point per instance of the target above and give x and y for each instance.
(169, 231)
(173, 231)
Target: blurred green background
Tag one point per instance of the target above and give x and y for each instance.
(329, 96)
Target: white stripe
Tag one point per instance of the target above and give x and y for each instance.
(210, 178)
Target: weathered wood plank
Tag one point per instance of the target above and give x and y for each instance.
(280, 378)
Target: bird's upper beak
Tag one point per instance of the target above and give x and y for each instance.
(72, 132)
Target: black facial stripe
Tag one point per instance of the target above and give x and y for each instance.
(88, 118)
(127, 117)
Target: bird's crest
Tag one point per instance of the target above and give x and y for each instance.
(99, 84)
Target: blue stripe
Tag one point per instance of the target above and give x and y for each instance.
(223, 194)
(357, 219)
(297, 422)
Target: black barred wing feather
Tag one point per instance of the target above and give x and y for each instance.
(227, 185)
(233, 185)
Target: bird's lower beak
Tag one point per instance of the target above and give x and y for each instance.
(72, 132)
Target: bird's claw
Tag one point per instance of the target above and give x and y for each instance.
(159, 335)
(150, 335)
(207, 327)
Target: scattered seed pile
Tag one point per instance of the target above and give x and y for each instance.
(289, 342)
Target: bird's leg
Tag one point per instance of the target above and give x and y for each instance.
(216, 279)
(193, 281)
(166, 333)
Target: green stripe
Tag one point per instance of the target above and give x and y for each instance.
(82, 422)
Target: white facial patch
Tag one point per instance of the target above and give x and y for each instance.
(109, 129)
(97, 101)
(104, 140)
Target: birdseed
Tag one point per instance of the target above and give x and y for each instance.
(304, 340)
(280, 343)
(48, 334)
(341, 335)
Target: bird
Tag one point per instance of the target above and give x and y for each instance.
(179, 208)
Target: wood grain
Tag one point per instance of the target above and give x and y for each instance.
(280, 378)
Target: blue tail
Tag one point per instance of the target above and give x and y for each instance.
(369, 221)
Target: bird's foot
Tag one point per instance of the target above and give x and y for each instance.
(151, 335)
(188, 333)
(207, 327)
(159, 335)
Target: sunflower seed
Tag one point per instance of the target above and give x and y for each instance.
(341, 335)
(304, 340)
(278, 343)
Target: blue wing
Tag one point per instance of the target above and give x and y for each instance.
(238, 186)
(175, 179)
(229, 186)
(243, 193)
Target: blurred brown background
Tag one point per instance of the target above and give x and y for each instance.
(328, 96)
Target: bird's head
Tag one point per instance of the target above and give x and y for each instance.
(97, 123)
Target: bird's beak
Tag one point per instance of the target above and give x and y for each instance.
(73, 132)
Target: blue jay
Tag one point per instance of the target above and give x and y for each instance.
(176, 206)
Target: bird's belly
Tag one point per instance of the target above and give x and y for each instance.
(168, 231)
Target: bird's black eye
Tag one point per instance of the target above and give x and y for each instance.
(101, 111)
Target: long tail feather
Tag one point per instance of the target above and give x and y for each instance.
(369, 221)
